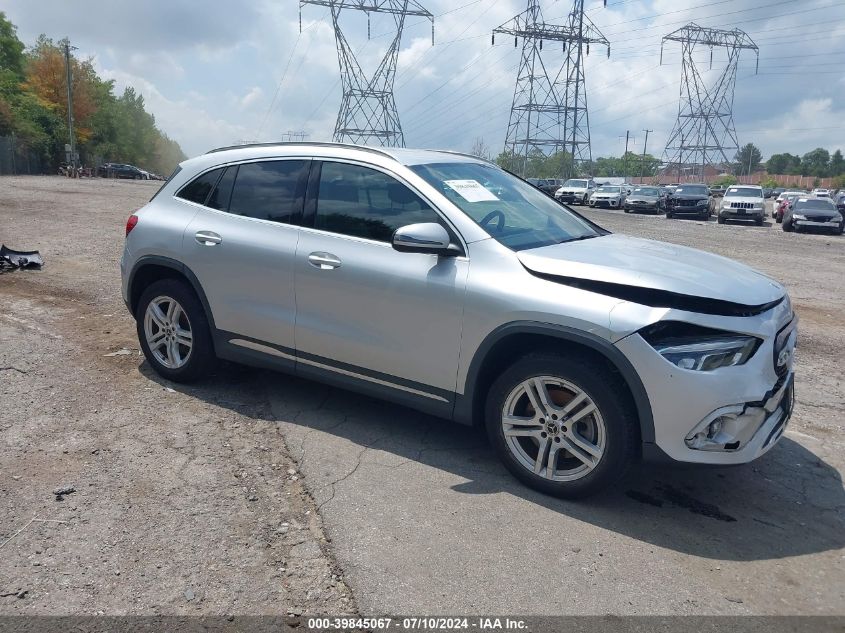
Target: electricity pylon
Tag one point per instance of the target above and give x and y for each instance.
(549, 110)
(368, 111)
(704, 133)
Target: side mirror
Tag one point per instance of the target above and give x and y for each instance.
(428, 237)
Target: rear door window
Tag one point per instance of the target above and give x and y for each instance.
(270, 190)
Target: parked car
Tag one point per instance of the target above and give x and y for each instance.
(576, 191)
(610, 196)
(689, 199)
(821, 193)
(813, 213)
(840, 202)
(777, 191)
(783, 197)
(785, 204)
(645, 199)
(767, 192)
(742, 202)
(400, 274)
(717, 190)
(120, 170)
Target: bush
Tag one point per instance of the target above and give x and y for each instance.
(725, 181)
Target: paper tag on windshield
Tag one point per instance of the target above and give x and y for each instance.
(471, 190)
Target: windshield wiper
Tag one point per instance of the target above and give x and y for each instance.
(578, 239)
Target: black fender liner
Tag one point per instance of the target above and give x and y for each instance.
(167, 262)
(464, 403)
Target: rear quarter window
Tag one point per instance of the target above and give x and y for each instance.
(200, 187)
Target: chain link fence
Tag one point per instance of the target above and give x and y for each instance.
(16, 158)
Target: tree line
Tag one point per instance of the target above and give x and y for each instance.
(819, 163)
(107, 127)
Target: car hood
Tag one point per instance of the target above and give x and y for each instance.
(639, 198)
(634, 263)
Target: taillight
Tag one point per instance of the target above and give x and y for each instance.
(131, 222)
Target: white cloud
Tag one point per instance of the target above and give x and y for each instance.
(251, 97)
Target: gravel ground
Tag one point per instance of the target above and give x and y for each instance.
(265, 494)
(186, 501)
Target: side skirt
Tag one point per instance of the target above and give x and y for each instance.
(244, 350)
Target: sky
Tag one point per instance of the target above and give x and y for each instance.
(220, 72)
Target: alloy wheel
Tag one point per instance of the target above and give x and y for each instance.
(553, 428)
(168, 332)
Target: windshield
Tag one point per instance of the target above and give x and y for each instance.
(510, 210)
(743, 192)
(693, 189)
(608, 190)
(575, 183)
(647, 191)
(821, 205)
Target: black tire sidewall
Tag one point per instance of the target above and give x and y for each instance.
(202, 358)
(622, 443)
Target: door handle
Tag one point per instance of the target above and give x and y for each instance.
(323, 261)
(207, 238)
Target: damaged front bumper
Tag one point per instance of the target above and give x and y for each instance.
(753, 426)
(731, 415)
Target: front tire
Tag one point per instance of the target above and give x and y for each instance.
(561, 425)
(173, 331)
(787, 227)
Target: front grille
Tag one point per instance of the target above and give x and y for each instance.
(742, 205)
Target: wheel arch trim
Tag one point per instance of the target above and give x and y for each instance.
(167, 262)
(465, 403)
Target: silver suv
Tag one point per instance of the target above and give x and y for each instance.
(444, 283)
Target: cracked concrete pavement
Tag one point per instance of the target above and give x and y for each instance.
(401, 512)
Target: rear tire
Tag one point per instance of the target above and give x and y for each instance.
(562, 450)
(787, 227)
(669, 216)
(173, 331)
(720, 219)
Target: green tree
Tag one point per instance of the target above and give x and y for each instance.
(11, 49)
(837, 163)
(725, 181)
(784, 164)
(748, 159)
(33, 87)
(815, 163)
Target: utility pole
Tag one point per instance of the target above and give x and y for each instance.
(642, 162)
(549, 109)
(72, 140)
(625, 156)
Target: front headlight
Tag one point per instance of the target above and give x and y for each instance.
(697, 348)
(798, 216)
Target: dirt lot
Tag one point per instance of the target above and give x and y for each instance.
(257, 493)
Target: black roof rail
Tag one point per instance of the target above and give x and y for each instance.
(374, 150)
